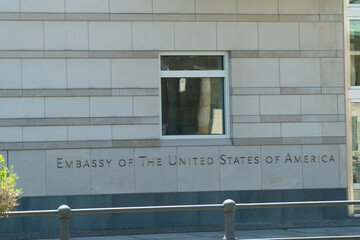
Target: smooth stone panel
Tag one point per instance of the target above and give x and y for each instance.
(279, 105)
(333, 129)
(245, 105)
(299, 72)
(200, 169)
(343, 167)
(318, 36)
(214, 6)
(29, 166)
(78, 133)
(257, 7)
(125, 73)
(111, 106)
(115, 174)
(237, 36)
(256, 130)
(195, 36)
(319, 104)
(37, 6)
(174, 6)
(332, 72)
(253, 72)
(10, 6)
(280, 168)
(301, 129)
(87, 6)
(331, 6)
(88, 73)
(67, 107)
(240, 168)
(156, 170)
(22, 107)
(43, 73)
(64, 175)
(69, 35)
(130, 6)
(11, 134)
(53, 133)
(125, 132)
(110, 36)
(341, 104)
(153, 35)
(10, 73)
(146, 106)
(278, 36)
(319, 173)
(21, 35)
(298, 7)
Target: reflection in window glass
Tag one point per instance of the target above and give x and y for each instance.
(355, 120)
(192, 106)
(177, 63)
(355, 1)
(355, 52)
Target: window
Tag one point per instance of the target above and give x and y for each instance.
(193, 95)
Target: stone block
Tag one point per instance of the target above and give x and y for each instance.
(42, 134)
(332, 72)
(44, 73)
(125, 73)
(257, 7)
(240, 168)
(123, 132)
(10, 73)
(278, 36)
(195, 36)
(156, 170)
(22, 107)
(110, 36)
(301, 129)
(174, 6)
(11, 134)
(246, 73)
(115, 174)
(69, 35)
(320, 162)
(146, 106)
(130, 6)
(87, 6)
(280, 169)
(341, 104)
(299, 72)
(318, 36)
(245, 105)
(332, 129)
(29, 166)
(87, 16)
(256, 130)
(198, 169)
(78, 133)
(233, 36)
(298, 7)
(10, 6)
(105, 106)
(279, 105)
(67, 107)
(48, 6)
(214, 6)
(67, 172)
(319, 104)
(21, 35)
(340, 38)
(331, 6)
(343, 167)
(153, 35)
(88, 73)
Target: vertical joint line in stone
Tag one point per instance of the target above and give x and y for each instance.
(66, 74)
(216, 36)
(21, 75)
(43, 37)
(108, 8)
(88, 34)
(110, 60)
(258, 35)
(134, 157)
(132, 35)
(46, 172)
(302, 167)
(299, 32)
(195, 10)
(278, 9)
(174, 25)
(177, 170)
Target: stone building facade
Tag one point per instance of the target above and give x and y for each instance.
(87, 106)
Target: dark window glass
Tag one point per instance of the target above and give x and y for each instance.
(192, 106)
(355, 52)
(192, 63)
(355, 1)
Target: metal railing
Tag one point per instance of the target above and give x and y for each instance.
(229, 206)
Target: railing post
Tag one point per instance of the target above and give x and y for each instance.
(229, 212)
(64, 213)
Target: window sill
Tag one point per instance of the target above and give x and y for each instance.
(195, 142)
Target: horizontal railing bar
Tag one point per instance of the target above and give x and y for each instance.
(147, 209)
(31, 213)
(296, 204)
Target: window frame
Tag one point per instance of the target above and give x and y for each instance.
(198, 74)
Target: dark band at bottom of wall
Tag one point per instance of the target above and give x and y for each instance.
(50, 224)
